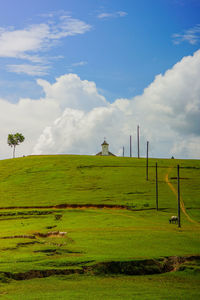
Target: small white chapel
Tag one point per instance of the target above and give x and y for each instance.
(105, 151)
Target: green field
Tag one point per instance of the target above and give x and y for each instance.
(86, 227)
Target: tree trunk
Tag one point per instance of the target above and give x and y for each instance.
(14, 151)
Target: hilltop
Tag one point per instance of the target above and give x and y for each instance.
(74, 179)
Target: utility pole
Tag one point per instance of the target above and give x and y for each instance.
(147, 162)
(123, 152)
(130, 146)
(156, 186)
(138, 140)
(179, 206)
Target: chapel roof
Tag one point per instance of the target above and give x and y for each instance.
(104, 143)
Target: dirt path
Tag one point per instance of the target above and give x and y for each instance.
(181, 199)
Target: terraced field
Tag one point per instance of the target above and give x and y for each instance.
(84, 227)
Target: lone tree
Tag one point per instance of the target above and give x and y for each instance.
(14, 140)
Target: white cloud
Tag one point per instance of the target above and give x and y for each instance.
(14, 43)
(24, 43)
(72, 92)
(27, 116)
(32, 70)
(31, 117)
(106, 15)
(191, 36)
(31, 42)
(79, 64)
(168, 112)
(190, 147)
(122, 13)
(73, 117)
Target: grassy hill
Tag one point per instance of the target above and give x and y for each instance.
(52, 180)
(85, 215)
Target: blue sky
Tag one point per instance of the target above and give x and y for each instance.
(74, 71)
(127, 43)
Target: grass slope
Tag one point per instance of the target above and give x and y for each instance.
(47, 180)
(166, 286)
(95, 235)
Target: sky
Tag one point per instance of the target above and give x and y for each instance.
(73, 72)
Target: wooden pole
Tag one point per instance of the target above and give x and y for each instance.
(130, 146)
(147, 162)
(156, 186)
(138, 140)
(123, 151)
(179, 206)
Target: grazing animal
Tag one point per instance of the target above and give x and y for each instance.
(62, 233)
(173, 219)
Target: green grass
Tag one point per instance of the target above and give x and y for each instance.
(96, 235)
(165, 286)
(93, 235)
(47, 180)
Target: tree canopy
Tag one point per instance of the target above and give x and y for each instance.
(14, 140)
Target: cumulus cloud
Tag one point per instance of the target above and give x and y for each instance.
(74, 118)
(82, 132)
(168, 112)
(29, 117)
(72, 92)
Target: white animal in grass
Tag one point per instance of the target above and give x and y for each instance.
(173, 220)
